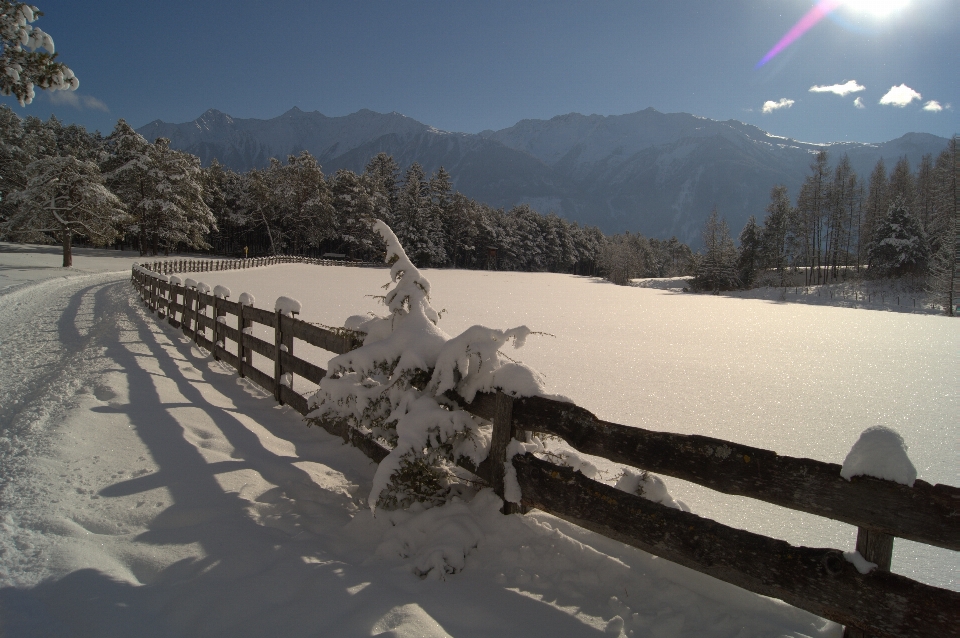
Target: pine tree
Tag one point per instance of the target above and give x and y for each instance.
(414, 222)
(14, 159)
(717, 270)
(899, 244)
(22, 66)
(878, 202)
(355, 202)
(774, 245)
(902, 184)
(302, 196)
(64, 198)
(749, 258)
(943, 280)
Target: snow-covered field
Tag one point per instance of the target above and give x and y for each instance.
(146, 490)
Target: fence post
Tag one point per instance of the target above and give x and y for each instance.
(242, 354)
(502, 433)
(217, 313)
(196, 319)
(277, 368)
(876, 547)
(187, 308)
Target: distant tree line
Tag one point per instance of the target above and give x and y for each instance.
(901, 224)
(163, 202)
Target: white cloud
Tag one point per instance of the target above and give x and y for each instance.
(842, 90)
(900, 96)
(859, 103)
(933, 106)
(77, 101)
(770, 106)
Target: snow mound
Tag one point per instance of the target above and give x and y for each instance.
(650, 487)
(246, 299)
(862, 564)
(190, 283)
(287, 306)
(880, 452)
(438, 540)
(202, 287)
(176, 280)
(221, 291)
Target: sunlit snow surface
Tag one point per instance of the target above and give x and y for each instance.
(145, 490)
(801, 380)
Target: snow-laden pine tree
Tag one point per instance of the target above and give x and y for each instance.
(175, 210)
(305, 215)
(14, 158)
(64, 198)
(899, 244)
(23, 67)
(357, 204)
(717, 269)
(162, 189)
(417, 225)
(393, 386)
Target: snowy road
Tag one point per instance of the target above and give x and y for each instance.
(148, 491)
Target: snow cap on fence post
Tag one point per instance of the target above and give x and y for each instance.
(246, 299)
(176, 280)
(880, 452)
(202, 287)
(190, 283)
(287, 306)
(221, 291)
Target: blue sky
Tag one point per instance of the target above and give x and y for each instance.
(469, 66)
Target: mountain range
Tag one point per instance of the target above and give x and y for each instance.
(657, 173)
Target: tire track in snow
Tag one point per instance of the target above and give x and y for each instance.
(50, 349)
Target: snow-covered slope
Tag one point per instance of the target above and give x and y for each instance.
(156, 494)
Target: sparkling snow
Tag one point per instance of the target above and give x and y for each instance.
(142, 484)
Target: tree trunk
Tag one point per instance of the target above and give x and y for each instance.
(67, 248)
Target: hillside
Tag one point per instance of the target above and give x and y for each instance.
(657, 173)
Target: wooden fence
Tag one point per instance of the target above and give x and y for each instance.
(173, 266)
(819, 580)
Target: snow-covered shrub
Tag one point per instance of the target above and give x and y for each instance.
(392, 387)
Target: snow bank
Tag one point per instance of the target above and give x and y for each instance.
(287, 306)
(880, 452)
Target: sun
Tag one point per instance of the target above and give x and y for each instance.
(876, 8)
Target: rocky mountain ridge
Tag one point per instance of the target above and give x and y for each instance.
(657, 173)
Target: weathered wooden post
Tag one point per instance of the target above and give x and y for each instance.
(196, 317)
(240, 354)
(876, 547)
(217, 313)
(502, 433)
(277, 368)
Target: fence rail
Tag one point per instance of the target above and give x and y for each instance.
(819, 580)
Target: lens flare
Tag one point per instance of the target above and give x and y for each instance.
(823, 8)
(813, 16)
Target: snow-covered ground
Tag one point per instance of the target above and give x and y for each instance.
(146, 490)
